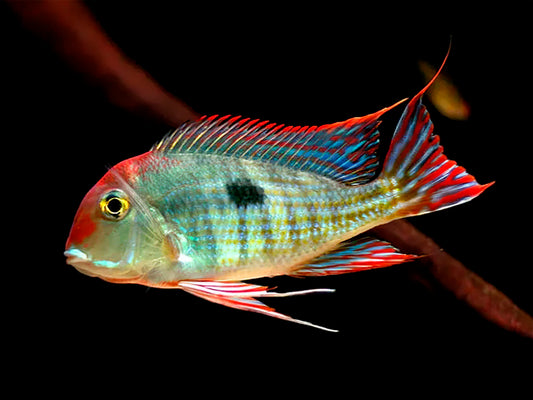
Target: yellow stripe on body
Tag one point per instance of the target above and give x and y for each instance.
(226, 233)
(289, 226)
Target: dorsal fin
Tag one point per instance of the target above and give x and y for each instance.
(343, 151)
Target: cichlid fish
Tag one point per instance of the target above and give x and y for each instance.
(225, 199)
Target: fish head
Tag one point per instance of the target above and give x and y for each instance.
(114, 234)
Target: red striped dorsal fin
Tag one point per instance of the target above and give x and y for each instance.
(343, 151)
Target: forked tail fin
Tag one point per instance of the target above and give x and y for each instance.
(427, 179)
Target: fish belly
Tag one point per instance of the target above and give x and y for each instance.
(245, 219)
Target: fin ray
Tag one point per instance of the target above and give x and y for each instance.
(428, 180)
(344, 151)
(241, 296)
(355, 255)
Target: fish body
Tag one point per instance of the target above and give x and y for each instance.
(225, 199)
(236, 219)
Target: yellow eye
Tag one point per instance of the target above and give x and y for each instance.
(115, 205)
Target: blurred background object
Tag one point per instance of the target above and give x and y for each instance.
(444, 94)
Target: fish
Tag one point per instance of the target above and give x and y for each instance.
(226, 199)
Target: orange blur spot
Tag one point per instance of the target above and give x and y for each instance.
(444, 94)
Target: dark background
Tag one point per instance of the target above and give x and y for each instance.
(315, 65)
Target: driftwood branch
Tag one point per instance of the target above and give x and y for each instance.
(455, 277)
(78, 38)
(74, 33)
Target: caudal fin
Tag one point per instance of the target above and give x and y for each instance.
(428, 180)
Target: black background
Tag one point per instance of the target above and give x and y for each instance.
(311, 65)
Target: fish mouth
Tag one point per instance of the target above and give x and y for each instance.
(75, 256)
(83, 263)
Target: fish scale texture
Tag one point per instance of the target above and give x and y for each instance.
(299, 212)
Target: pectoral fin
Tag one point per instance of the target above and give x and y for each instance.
(241, 296)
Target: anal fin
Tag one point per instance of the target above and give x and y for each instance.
(355, 255)
(241, 296)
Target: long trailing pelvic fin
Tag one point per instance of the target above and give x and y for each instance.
(242, 296)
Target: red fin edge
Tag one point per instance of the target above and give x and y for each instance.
(428, 180)
(241, 296)
(353, 256)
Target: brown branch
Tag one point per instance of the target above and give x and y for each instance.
(80, 40)
(455, 277)
(74, 33)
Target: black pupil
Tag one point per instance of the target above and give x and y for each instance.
(114, 205)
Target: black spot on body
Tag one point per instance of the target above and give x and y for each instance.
(243, 192)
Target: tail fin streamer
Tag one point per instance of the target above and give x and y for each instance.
(428, 180)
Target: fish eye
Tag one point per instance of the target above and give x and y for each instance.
(114, 205)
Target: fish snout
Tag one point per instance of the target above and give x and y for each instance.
(75, 256)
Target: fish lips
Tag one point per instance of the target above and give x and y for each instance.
(106, 270)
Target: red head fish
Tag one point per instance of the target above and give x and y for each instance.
(226, 199)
